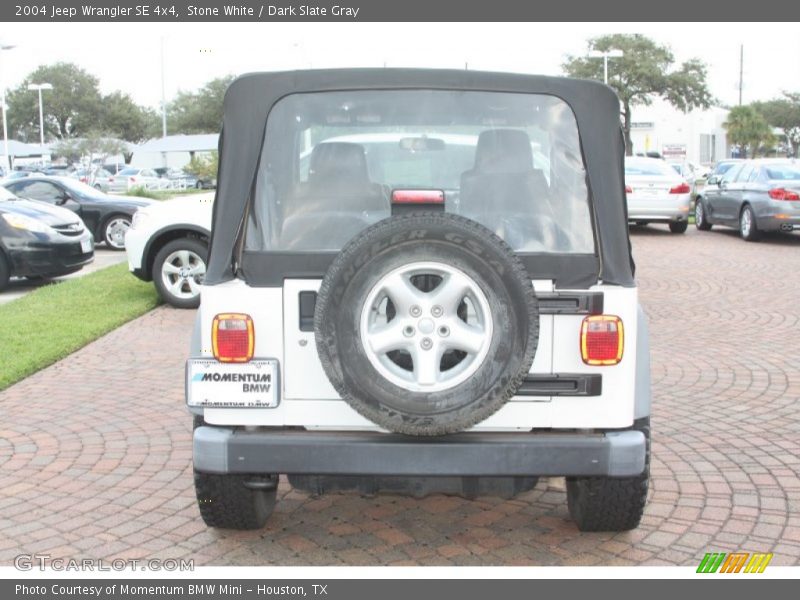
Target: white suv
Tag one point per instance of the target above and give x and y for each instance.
(167, 243)
(420, 316)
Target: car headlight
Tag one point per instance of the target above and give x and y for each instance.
(140, 218)
(26, 223)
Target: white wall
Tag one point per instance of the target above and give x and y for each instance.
(669, 126)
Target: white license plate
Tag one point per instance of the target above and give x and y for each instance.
(213, 384)
(86, 245)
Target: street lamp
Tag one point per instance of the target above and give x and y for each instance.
(605, 56)
(39, 87)
(4, 107)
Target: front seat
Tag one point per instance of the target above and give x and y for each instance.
(336, 202)
(504, 192)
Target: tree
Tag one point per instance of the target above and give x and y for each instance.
(203, 167)
(122, 118)
(644, 71)
(201, 111)
(70, 108)
(784, 113)
(93, 146)
(748, 129)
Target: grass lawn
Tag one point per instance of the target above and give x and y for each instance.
(55, 320)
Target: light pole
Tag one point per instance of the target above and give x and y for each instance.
(5, 120)
(39, 87)
(605, 56)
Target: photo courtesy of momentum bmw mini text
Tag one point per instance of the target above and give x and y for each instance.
(380, 299)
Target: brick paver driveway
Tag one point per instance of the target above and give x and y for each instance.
(95, 450)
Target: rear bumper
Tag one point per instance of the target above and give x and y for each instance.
(674, 208)
(225, 450)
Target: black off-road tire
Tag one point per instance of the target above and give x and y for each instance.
(610, 503)
(700, 218)
(226, 501)
(679, 226)
(186, 243)
(426, 237)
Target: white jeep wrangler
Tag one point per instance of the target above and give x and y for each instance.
(420, 282)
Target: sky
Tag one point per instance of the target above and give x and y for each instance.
(127, 56)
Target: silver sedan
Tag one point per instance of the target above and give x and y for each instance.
(656, 193)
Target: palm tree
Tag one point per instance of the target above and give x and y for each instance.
(748, 129)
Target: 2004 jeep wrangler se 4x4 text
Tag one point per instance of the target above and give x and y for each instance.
(420, 281)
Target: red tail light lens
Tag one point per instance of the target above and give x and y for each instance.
(602, 340)
(233, 337)
(132, 179)
(417, 197)
(628, 189)
(783, 194)
(681, 189)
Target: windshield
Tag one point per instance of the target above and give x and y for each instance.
(331, 161)
(128, 172)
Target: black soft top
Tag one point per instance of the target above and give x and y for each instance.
(250, 98)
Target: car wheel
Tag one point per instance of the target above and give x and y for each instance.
(5, 272)
(178, 271)
(426, 324)
(642, 223)
(97, 186)
(700, 219)
(679, 226)
(114, 230)
(199, 185)
(748, 228)
(610, 503)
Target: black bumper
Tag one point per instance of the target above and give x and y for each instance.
(49, 259)
(228, 450)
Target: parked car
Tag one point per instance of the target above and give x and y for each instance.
(424, 325)
(99, 179)
(107, 217)
(13, 175)
(753, 196)
(656, 193)
(168, 245)
(133, 177)
(720, 168)
(38, 240)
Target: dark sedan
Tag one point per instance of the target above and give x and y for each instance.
(107, 217)
(39, 241)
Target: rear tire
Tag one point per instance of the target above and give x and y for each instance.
(225, 501)
(700, 219)
(748, 228)
(610, 503)
(679, 227)
(113, 231)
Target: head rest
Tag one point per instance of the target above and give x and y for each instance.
(342, 161)
(504, 151)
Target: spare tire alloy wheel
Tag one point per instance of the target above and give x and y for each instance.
(426, 324)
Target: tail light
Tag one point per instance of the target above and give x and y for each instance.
(110, 180)
(132, 179)
(628, 189)
(783, 194)
(681, 189)
(233, 337)
(602, 340)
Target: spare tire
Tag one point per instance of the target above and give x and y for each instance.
(426, 323)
